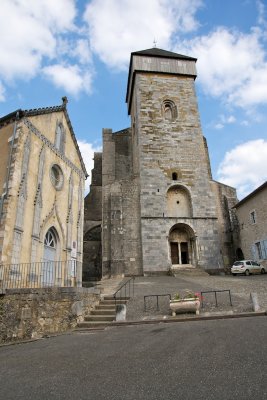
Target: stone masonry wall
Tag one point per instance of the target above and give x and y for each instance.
(34, 313)
(228, 231)
(254, 232)
(92, 258)
(155, 240)
(176, 144)
(121, 245)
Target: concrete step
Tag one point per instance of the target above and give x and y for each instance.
(102, 318)
(103, 312)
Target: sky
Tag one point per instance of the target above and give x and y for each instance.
(81, 49)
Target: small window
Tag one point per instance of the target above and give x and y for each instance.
(253, 217)
(169, 110)
(174, 176)
(248, 263)
(259, 252)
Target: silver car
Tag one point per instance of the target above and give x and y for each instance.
(247, 267)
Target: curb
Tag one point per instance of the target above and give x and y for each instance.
(172, 320)
(142, 322)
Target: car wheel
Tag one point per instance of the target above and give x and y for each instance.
(262, 271)
(247, 272)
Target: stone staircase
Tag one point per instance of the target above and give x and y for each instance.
(188, 270)
(103, 314)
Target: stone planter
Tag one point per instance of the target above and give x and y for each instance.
(185, 306)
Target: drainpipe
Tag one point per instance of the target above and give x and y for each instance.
(5, 194)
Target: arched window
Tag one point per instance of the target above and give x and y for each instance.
(169, 110)
(60, 138)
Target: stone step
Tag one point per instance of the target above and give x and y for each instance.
(102, 318)
(112, 302)
(105, 307)
(119, 298)
(103, 312)
(189, 271)
(85, 325)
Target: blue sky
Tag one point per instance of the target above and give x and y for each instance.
(81, 49)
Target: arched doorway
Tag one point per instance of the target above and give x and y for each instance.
(182, 241)
(50, 256)
(92, 254)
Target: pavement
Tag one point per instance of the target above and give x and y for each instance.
(240, 289)
(207, 360)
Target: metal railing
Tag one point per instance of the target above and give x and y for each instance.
(125, 291)
(39, 274)
(215, 296)
(157, 297)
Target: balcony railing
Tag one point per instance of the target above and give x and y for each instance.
(40, 275)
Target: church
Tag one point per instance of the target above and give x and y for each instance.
(153, 205)
(42, 176)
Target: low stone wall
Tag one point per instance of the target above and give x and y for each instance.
(35, 313)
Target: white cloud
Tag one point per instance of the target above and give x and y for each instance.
(231, 119)
(219, 126)
(82, 51)
(245, 166)
(261, 13)
(231, 65)
(118, 27)
(87, 151)
(28, 31)
(223, 120)
(2, 92)
(71, 78)
(35, 36)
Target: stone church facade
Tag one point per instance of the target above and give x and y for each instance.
(153, 204)
(42, 178)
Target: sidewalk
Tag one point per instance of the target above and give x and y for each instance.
(240, 288)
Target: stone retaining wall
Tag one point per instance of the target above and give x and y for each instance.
(35, 313)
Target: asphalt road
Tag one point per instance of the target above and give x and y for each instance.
(221, 359)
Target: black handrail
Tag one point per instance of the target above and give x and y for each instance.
(127, 290)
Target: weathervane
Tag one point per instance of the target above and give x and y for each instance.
(155, 42)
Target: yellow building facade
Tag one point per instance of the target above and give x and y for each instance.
(42, 178)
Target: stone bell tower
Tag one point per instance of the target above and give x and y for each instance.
(160, 207)
(179, 221)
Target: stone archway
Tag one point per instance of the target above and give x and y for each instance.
(182, 245)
